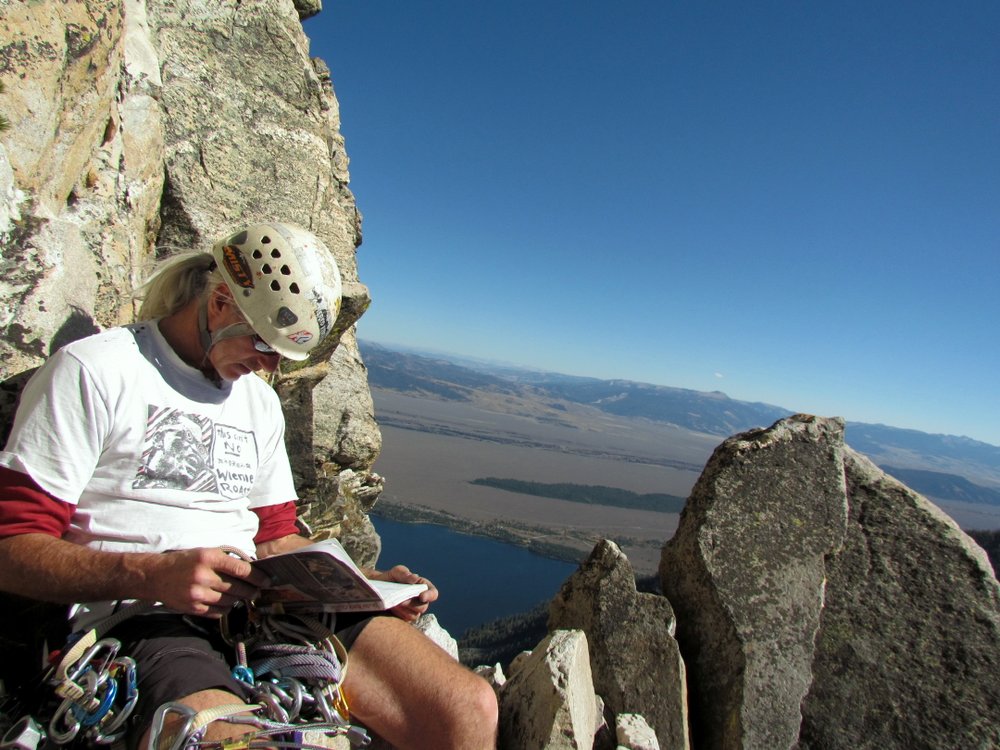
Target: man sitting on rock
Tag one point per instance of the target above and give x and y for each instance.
(139, 452)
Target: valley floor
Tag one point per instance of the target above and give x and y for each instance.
(433, 450)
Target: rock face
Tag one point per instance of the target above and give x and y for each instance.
(139, 128)
(908, 650)
(549, 701)
(635, 661)
(81, 210)
(822, 604)
(633, 733)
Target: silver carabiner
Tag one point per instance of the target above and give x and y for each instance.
(63, 726)
(329, 716)
(271, 702)
(294, 701)
(114, 721)
(65, 723)
(111, 644)
(156, 728)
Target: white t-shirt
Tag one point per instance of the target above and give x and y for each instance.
(153, 454)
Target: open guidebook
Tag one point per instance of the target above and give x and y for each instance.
(323, 576)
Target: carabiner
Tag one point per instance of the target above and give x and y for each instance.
(63, 726)
(111, 644)
(117, 719)
(156, 728)
(88, 720)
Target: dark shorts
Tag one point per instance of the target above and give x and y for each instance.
(176, 656)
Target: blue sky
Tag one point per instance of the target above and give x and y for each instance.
(791, 202)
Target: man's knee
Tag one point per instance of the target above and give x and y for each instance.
(486, 707)
(475, 713)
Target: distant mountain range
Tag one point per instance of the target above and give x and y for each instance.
(943, 466)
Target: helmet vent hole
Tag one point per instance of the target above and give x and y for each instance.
(286, 271)
(265, 240)
(276, 253)
(266, 269)
(286, 317)
(275, 286)
(294, 288)
(257, 255)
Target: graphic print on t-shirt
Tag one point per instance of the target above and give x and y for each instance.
(189, 452)
(235, 459)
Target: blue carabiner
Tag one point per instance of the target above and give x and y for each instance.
(243, 674)
(89, 720)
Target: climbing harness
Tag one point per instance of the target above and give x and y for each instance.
(293, 666)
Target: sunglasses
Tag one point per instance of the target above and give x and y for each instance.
(244, 329)
(262, 346)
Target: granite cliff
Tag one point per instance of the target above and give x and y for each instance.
(140, 127)
(809, 599)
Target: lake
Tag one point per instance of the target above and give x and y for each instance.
(478, 579)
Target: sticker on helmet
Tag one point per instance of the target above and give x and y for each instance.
(237, 266)
(323, 321)
(300, 337)
(322, 308)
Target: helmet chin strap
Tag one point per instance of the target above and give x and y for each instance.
(231, 331)
(204, 334)
(209, 339)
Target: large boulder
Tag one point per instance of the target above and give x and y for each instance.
(635, 661)
(822, 604)
(908, 650)
(549, 703)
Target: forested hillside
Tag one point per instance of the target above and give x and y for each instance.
(590, 494)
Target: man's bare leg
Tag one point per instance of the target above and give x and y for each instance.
(409, 691)
(200, 701)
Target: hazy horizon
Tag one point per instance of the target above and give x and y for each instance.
(529, 368)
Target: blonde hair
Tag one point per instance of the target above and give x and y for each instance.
(175, 282)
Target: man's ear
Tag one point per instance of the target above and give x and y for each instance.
(221, 294)
(220, 297)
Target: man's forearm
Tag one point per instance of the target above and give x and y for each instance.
(205, 581)
(284, 544)
(43, 567)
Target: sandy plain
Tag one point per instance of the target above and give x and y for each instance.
(432, 450)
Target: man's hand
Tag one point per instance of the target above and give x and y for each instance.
(412, 609)
(206, 581)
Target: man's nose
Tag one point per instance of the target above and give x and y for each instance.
(268, 362)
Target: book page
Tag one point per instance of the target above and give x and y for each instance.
(324, 573)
